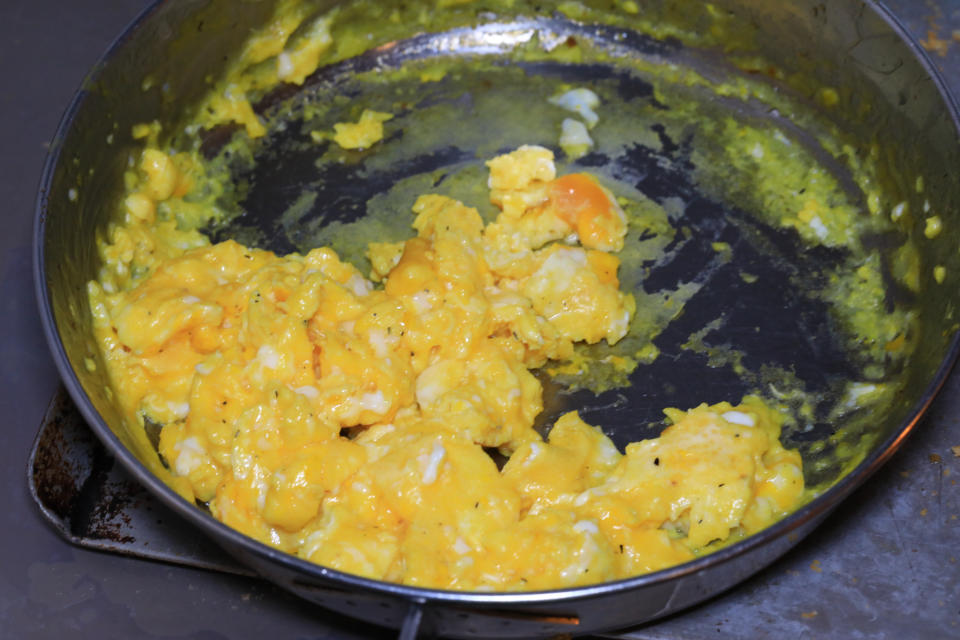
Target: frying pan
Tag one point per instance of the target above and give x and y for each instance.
(889, 97)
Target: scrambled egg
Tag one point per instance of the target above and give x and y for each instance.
(345, 418)
(362, 134)
(574, 137)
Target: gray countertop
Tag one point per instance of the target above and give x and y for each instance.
(886, 565)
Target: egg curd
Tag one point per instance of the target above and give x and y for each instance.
(347, 419)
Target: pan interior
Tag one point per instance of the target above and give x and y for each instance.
(709, 161)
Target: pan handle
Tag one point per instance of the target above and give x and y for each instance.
(411, 622)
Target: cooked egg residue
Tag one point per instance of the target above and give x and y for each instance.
(346, 418)
(575, 140)
(575, 137)
(580, 101)
(364, 133)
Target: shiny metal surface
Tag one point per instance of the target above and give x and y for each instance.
(607, 606)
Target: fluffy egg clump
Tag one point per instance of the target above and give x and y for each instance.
(347, 418)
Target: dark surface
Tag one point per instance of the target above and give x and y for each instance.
(886, 565)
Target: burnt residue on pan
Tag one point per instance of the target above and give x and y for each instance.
(70, 477)
(95, 504)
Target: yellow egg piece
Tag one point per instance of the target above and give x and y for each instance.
(350, 420)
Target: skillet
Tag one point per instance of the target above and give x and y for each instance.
(777, 321)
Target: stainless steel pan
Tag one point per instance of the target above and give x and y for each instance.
(853, 45)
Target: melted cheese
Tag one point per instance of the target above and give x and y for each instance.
(347, 422)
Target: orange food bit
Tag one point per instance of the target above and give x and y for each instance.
(897, 343)
(578, 196)
(585, 206)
